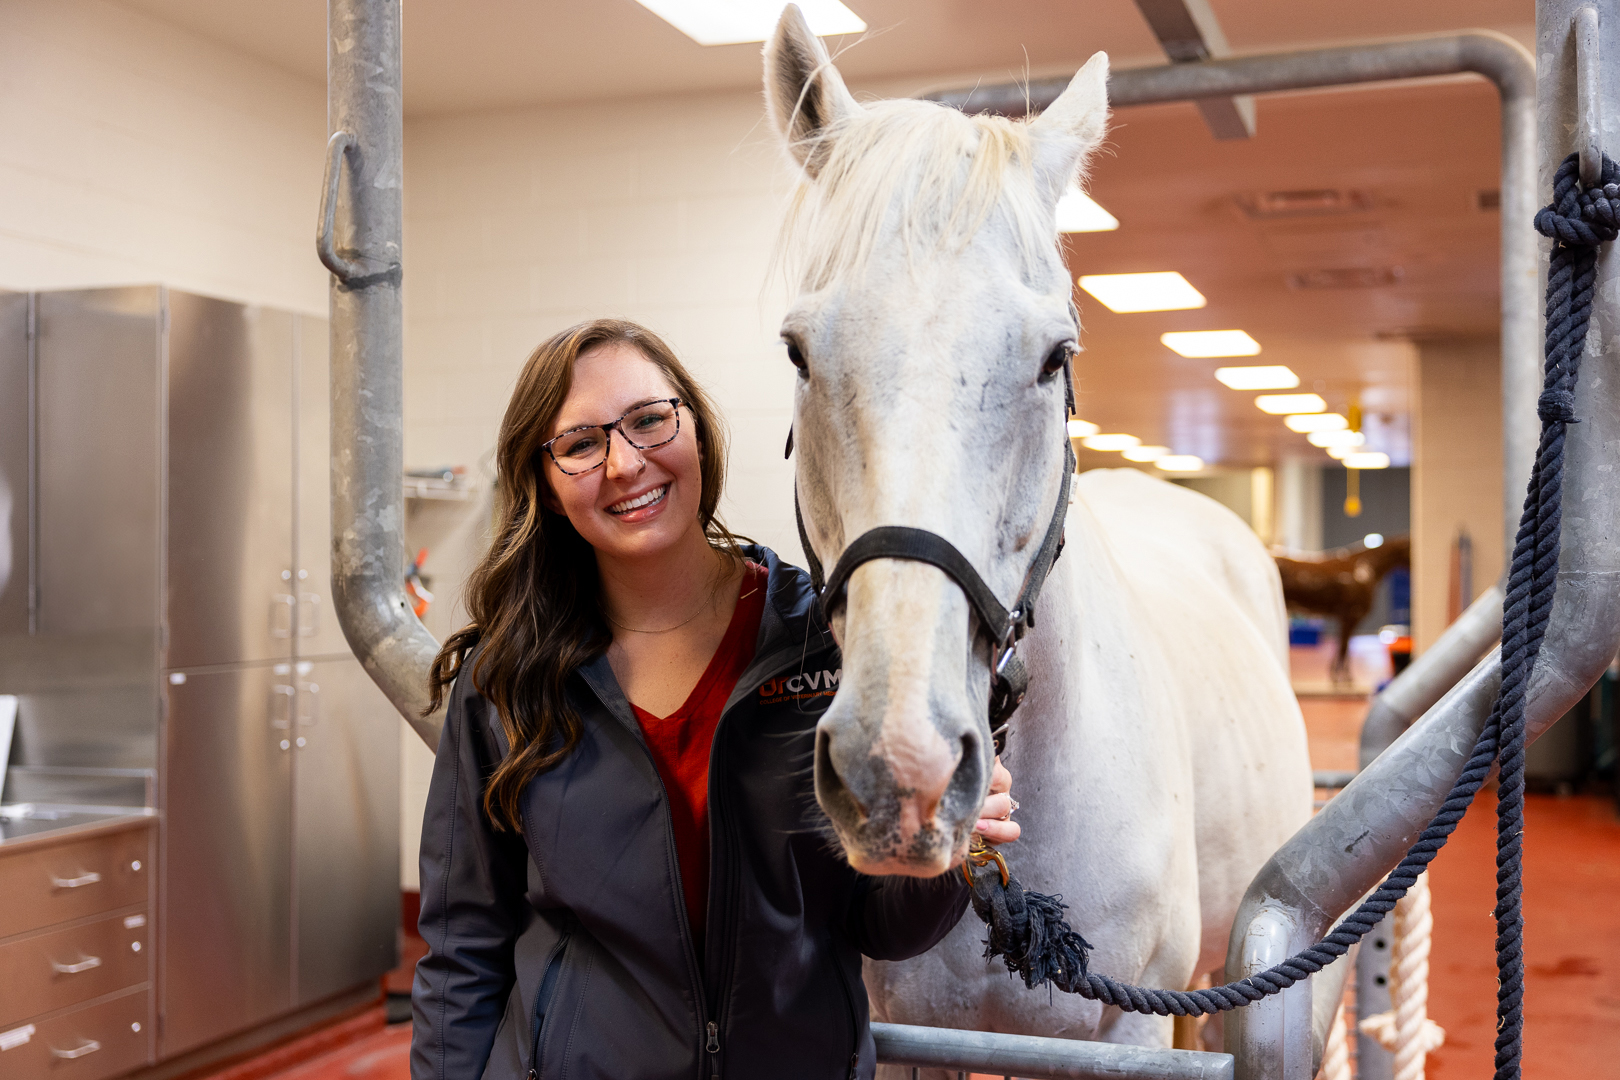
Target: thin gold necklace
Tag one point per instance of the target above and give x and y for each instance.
(707, 603)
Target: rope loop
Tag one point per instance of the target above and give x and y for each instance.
(1027, 929)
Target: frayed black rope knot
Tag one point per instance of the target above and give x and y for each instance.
(1027, 929)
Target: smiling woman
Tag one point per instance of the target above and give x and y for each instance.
(631, 726)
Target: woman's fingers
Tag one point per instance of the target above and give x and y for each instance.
(1000, 778)
(995, 816)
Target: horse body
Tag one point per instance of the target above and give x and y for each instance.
(1160, 759)
(1159, 755)
(1342, 585)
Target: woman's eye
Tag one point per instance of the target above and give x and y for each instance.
(1055, 360)
(796, 358)
(573, 448)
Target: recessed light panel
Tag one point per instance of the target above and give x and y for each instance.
(1368, 460)
(1328, 421)
(1290, 403)
(1125, 293)
(1078, 212)
(1110, 442)
(1180, 463)
(1199, 344)
(1079, 429)
(1341, 437)
(1145, 453)
(731, 22)
(1275, 377)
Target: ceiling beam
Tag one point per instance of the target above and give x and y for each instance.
(1188, 32)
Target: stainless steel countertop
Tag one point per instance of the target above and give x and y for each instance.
(28, 823)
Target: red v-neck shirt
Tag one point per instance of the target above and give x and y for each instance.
(680, 745)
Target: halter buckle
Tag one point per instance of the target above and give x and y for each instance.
(981, 854)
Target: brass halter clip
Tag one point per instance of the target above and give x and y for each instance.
(981, 854)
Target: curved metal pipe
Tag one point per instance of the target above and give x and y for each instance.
(1036, 1058)
(1414, 691)
(1482, 52)
(368, 447)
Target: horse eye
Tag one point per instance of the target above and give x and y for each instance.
(1055, 360)
(796, 358)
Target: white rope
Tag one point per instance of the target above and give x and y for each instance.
(1406, 1030)
(1336, 1058)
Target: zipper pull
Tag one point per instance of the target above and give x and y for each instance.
(854, 1060)
(713, 1046)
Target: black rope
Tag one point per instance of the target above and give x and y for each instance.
(1027, 929)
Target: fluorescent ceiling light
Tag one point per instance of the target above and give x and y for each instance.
(1110, 442)
(1079, 429)
(1167, 291)
(1206, 343)
(1290, 403)
(1180, 463)
(1274, 377)
(1340, 437)
(731, 22)
(1369, 460)
(1372, 540)
(1078, 212)
(1340, 452)
(1328, 421)
(1145, 453)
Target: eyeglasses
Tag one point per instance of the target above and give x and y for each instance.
(645, 427)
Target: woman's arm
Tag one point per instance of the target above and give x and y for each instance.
(473, 880)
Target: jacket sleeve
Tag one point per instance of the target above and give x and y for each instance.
(896, 918)
(473, 881)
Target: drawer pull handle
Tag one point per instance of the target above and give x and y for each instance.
(89, 877)
(90, 1046)
(73, 969)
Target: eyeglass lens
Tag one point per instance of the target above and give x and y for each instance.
(644, 427)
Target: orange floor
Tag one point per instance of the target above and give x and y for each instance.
(1572, 882)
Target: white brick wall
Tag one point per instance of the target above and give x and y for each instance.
(132, 151)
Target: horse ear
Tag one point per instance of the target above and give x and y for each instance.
(804, 93)
(1071, 127)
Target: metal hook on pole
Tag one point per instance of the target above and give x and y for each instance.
(1588, 105)
(337, 149)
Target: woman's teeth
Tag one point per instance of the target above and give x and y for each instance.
(637, 503)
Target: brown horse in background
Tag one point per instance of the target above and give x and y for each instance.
(1341, 584)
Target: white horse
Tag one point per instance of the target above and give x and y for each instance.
(1160, 756)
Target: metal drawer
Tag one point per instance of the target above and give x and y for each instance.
(48, 885)
(54, 969)
(97, 1041)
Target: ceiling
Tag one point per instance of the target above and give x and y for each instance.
(1412, 158)
(464, 55)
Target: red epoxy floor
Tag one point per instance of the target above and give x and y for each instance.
(1572, 880)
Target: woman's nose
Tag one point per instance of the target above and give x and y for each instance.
(622, 458)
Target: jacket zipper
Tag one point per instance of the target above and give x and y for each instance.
(542, 1000)
(720, 829)
(854, 1023)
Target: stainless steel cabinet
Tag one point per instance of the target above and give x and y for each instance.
(227, 854)
(169, 606)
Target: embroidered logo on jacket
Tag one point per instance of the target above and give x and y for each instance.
(806, 684)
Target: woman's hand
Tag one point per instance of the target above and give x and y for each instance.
(995, 816)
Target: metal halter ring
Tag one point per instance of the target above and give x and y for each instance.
(981, 854)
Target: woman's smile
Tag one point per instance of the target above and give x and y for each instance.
(640, 507)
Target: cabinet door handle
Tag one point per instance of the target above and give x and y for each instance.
(88, 877)
(312, 699)
(285, 693)
(90, 1046)
(313, 626)
(85, 964)
(282, 602)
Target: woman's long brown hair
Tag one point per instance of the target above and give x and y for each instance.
(534, 597)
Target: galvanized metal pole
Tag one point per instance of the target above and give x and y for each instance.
(361, 241)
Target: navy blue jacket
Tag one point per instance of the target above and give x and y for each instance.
(565, 951)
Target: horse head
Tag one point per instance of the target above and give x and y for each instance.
(931, 328)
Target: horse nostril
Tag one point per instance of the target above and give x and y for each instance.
(968, 781)
(831, 791)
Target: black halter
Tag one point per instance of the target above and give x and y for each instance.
(1003, 626)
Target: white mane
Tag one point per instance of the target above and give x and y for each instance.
(939, 174)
